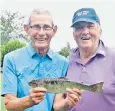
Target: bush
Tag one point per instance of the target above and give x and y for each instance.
(64, 52)
(10, 46)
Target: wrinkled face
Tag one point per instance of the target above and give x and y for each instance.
(87, 34)
(41, 30)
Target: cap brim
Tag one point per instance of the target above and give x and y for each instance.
(83, 19)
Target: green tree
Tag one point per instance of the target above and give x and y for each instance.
(65, 51)
(11, 26)
(10, 46)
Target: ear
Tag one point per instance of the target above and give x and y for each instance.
(100, 31)
(74, 35)
(26, 28)
(55, 29)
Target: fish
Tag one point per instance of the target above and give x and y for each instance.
(59, 85)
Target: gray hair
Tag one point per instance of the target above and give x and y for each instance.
(37, 11)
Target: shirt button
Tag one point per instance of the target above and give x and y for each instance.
(84, 69)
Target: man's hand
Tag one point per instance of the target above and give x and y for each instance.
(71, 99)
(12, 103)
(37, 95)
(73, 96)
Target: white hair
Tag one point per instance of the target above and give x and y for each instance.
(36, 11)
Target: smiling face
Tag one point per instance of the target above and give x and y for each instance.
(40, 30)
(87, 35)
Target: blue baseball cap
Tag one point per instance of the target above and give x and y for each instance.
(85, 14)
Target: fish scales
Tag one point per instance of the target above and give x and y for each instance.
(59, 85)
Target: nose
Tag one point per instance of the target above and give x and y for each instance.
(41, 31)
(85, 30)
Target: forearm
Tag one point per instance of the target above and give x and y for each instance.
(17, 104)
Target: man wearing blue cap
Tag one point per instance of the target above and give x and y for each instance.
(92, 62)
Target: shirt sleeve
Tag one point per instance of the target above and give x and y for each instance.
(114, 63)
(109, 91)
(9, 79)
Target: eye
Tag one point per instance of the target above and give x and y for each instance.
(78, 27)
(91, 26)
(44, 27)
(36, 26)
(47, 27)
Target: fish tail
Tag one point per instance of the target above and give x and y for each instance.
(96, 87)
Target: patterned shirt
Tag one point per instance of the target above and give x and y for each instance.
(23, 65)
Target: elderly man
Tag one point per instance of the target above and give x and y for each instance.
(92, 62)
(34, 61)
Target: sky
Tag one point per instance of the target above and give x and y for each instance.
(62, 11)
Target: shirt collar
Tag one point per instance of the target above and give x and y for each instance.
(101, 49)
(50, 54)
(32, 52)
(30, 49)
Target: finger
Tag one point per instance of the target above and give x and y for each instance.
(34, 99)
(72, 102)
(78, 97)
(35, 95)
(78, 91)
(39, 89)
(37, 101)
(74, 97)
(74, 91)
(38, 98)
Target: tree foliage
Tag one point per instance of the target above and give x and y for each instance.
(65, 51)
(11, 26)
(10, 46)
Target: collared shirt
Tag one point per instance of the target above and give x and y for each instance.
(23, 65)
(99, 68)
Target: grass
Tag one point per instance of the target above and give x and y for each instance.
(1, 98)
(2, 105)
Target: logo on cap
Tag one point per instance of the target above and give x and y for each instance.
(82, 13)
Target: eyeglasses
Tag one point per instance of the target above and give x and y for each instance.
(38, 27)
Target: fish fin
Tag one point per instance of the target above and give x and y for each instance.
(96, 87)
